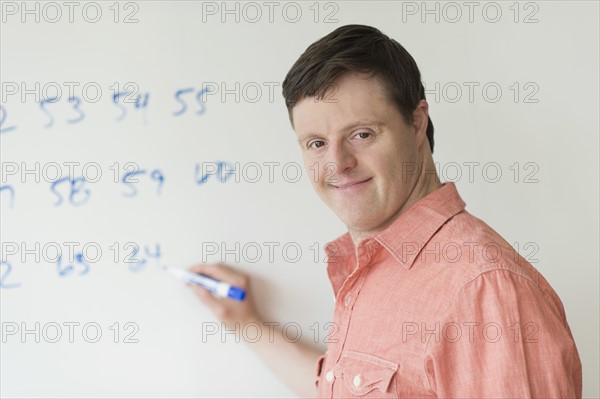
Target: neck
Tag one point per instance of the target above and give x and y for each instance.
(426, 182)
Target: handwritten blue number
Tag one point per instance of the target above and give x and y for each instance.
(69, 268)
(116, 97)
(10, 190)
(3, 115)
(81, 260)
(178, 95)
(139, 103)
(76, 103)
(159, 177)
(76, 186)
(156, 254)
(140, 264)
(43, 107)
(129, 183)
(4, 275)
(199, 99)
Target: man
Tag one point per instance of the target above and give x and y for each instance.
(430, 301)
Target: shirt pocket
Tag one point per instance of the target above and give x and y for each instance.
(363, 373)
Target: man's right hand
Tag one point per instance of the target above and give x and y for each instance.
(228, 310)
(293, 362)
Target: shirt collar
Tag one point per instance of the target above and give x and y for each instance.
(404, 238)
(415, 227)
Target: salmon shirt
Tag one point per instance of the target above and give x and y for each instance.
(439, 305)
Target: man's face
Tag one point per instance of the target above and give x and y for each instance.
(356, 145)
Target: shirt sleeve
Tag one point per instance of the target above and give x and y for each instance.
(503, 336)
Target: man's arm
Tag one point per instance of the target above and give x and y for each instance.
(293, 362)
(514, 342)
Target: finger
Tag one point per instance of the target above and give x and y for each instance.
(221, 272)
(207, 298)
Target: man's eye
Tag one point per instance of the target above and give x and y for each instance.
(363, 135)
(316, 144)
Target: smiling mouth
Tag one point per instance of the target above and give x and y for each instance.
(352, 185)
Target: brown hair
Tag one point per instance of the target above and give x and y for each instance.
(362, 49)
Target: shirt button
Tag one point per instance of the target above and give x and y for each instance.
(348, 299)
(357, 381)
(329, 376)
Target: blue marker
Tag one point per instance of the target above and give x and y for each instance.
(219, 288)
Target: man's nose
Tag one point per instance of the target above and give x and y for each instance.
(340, 160)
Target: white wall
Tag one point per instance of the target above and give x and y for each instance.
(549, 134)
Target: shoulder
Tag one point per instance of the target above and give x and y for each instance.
(490, 268)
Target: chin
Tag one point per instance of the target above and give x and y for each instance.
(360, 223)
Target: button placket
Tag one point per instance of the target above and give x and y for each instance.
(347, 296)
(329, 376)
(348, 299)
(343, 313)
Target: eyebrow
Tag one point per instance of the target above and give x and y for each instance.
(350, 126)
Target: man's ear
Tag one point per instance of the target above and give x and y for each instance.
(420, 120)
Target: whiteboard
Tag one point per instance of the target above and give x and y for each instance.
(141, 134)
